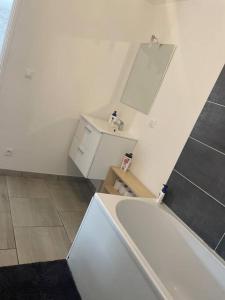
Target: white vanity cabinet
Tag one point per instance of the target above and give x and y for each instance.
(96, 147)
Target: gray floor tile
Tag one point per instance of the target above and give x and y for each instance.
(10, 172)
(8, 258)
(7, 240)
(35, 203)
(65, 197)
(37, 188)
(83, 190)
(39, 175)
(17, 186)
(34, 212)
(41, 243)
(4, 199)
(26, 187)
(71, 221)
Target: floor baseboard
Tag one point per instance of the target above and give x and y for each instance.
(7, 172)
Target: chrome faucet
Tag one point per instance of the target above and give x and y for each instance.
(119, 123)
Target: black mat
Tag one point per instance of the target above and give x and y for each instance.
(38, 281)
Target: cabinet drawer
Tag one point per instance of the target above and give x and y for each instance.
(82, 126)
(93, 150)
(84, 146)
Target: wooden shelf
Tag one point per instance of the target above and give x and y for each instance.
(110, 189)
(133, 183)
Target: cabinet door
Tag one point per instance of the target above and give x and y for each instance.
(84, 146)
(110, 152)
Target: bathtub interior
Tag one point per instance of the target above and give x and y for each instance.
(183, 264)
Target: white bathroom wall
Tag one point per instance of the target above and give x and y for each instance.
(64, 58)
(197, 27)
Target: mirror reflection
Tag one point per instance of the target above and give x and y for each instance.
(146, 76)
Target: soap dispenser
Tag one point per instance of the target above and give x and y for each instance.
(112, 117)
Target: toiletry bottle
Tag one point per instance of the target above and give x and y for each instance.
(129, 193)
(112, 117)
(126, 162)
(122, 189)
(118, 184)
(162, 193)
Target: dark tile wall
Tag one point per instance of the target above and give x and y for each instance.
(197, 183)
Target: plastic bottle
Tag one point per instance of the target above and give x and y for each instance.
(162, 193)
(118, 184)
(126, 162)
(123, 189)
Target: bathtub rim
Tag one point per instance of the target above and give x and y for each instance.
(143, 265)
(199, 239)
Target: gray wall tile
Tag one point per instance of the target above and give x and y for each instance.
(210, 126)
(200, 212)
(218, 92)
(205, 167)
(221, 248)
(198, 196)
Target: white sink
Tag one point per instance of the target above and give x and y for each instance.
(104, 127)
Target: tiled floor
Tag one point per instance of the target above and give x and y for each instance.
(39, 217)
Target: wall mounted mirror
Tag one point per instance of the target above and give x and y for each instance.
(146, 76)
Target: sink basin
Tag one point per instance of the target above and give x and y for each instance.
(104, 127)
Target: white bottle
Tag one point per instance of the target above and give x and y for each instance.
(118, 184)
(162, 194)
(122, 189)
(160, 198)
(129, 193)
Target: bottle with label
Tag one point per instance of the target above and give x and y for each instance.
(126, 161)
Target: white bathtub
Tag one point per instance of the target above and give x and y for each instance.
(132, 249)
